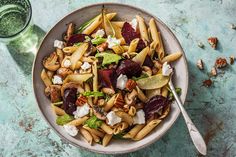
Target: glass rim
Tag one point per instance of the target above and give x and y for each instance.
(25, 26)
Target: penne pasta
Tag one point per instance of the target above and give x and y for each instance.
(76, 56)
(117, 30)
(50, 74)
(142, 28)
(147, 129)
(79, 121)
(123, 126)
(87, 136)
(87, 89)
(109, 103)
(95, 79)
(134, 131)
(133, 45)
(95, 137)
(106, 128)
(106, 139)
(140, 57)
(122, 41)
(69, 49)
(171, 57)
(125, 117)
(132, 111)
(118, 23)
(152, 49)
(77, 78)
(152, 92)
(164, 91)
(89, 59)
(141, 95)
(95, 131)
(125, 47)
(97, 22)
(45, 78)
(58, 110)
(118, 49)
(60, 55)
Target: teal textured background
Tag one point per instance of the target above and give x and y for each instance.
(24, 133)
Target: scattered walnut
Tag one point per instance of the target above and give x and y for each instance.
(207, 83)
(200, 64)
(201, 45)
(221, 63)
(213, 42)
(231, 59)
(119, 101)
(213, 71)
(81, 100)
(102, 47)
(130, 84)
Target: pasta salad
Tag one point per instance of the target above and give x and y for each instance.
(109, 79)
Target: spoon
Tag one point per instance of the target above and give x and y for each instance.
(195, 135)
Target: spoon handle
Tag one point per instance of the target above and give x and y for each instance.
(193, 131)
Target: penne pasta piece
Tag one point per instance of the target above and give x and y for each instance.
(95, 80)
(125, 47)
(117, 30)
(142, 28)
(106, 139)
(79, 121)
(133, 45)
(69, 49)
(123, 126)
(110, 103)
(152, 49)
(77, 78)
(147, 129)
(78, 64)
(141, 95)
(152, 92)
(118, 23)
(164, 91)
(50, 74)
(76, 56)
(171, 57)
(140, 57)
(122, 41)
(87, 136)
(125, 117)
(95, 137)
(116, 129)
(45, 78)
(94, 131)
(87, 89)
(134, 131)
(97, 22)
(106, 128)
(132, 111)
(60, 55)
(58, 110)
(118, 49)
(89, 59)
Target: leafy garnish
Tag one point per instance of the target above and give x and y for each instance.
(119, 136)
(85, 25)
(61, 120)
(77, 44)
(93, 122)
(58, 103)
(177, 90)
(109, 58)
(98, 40)
(140, 77)
(93, 94)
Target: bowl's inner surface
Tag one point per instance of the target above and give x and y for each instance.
(123, 13)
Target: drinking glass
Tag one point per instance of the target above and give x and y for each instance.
(16, 25)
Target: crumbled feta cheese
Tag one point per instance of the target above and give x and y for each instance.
(134, 23)
(112, 42)
(100, 33)
(71, 130)
(85, 66)
(139, 118)
(59, 44)
(67, 63)
(113, 118)
(81, 111)
(121, 81)
(166, 69)
(57, 79)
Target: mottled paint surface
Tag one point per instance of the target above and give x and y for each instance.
(24, 133)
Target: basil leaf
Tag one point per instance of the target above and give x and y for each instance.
(109, 58)
(93, 122)
(92, 94)
(140, 77)
(98, 40)
(61, 120)
(177, 90)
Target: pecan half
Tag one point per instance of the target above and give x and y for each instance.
(81, 100)
(130, 84)
(213, 42)
(119, 101)
(221, 63)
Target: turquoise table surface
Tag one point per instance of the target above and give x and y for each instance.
(23, 132)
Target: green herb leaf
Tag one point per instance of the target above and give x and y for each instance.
(93, 94)
(140, 77)
(98, 40)
(109, 58)
(85, 25)
(77, 44)
(58, 103)
(119, 136)
(61, 120)
(93, 122)
(177, 90)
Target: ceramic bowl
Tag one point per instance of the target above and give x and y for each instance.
(127, 13)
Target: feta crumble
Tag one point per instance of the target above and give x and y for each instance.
(71, 130)
(113, 118)
(59, 44)
(57, 79)
(100, 33)
(166, 69)
(134, 23)
(81, 111)
(121, 81)
(112, 41)
(139, 118)
(85, 66)
(67, 63)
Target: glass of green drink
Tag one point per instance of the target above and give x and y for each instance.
(16, 25)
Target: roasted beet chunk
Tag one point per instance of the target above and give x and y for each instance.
(141, 45)
(69, 99)
(148, 62)
(154, 105)
(107, 78)
(128, 33)
(129, 68)
(76, 38)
